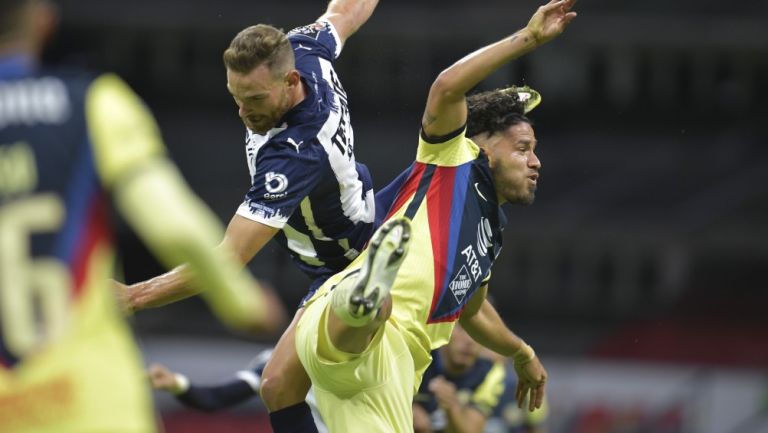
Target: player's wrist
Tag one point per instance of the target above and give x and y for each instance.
(134, 297)
(524, 354)
(528, 36)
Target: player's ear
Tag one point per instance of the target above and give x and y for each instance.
(484, 141)
(293, 78)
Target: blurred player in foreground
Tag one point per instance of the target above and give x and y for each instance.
(307, 191)
(70, 141)
(365, 337)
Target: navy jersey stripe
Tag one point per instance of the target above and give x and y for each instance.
(421, 191)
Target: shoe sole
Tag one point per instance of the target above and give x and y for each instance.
(374, 280)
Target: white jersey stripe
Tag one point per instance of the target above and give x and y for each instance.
(355, 207)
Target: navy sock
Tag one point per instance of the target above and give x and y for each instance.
(293, 419)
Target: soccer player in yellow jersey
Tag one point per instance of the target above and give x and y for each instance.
(365, 337)
(70, 141)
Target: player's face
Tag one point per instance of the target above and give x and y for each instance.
(462, 351)
(514, 164)
(261, 97)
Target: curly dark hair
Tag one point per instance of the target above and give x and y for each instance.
(494, 111)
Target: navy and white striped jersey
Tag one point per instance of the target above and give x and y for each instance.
(304, 177)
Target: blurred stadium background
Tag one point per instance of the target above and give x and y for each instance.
(641, 273)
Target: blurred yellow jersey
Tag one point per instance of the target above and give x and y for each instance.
(67, 359)
(456, 223)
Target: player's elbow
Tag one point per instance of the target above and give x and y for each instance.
(445, 88)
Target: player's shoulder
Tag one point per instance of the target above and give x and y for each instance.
(74, 82)
(320, 38)
(311, 31)
(449, 150)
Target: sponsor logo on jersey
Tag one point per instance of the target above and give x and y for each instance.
(480, 193)
(276, 184)
(484, 236)
(470, 258)
(460, 284)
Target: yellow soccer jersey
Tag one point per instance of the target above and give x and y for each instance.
(67, 359)
(456, 225)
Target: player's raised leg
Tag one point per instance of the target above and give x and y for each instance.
(359, 302)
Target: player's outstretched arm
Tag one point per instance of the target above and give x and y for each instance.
(178, 228)
(152, 196)
(446, 109)
(484, 325)
(243, 238)
(347, 16)
(206, 398)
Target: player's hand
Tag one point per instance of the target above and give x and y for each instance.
(550, 20)
(444, 391)
(531, 381)
(122, 293)
(162, 378)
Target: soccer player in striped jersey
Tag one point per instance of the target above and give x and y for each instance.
(365, 337)
(69, 142)
(307, 191)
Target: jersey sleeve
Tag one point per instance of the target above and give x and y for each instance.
(448, 151)
(123, 133)
(487, 395)
(284, 176)
(319, 38)
(220, 396)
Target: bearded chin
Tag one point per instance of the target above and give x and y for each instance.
(528, 199)
(525, 198)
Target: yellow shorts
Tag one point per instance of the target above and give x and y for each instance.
(371, 391)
